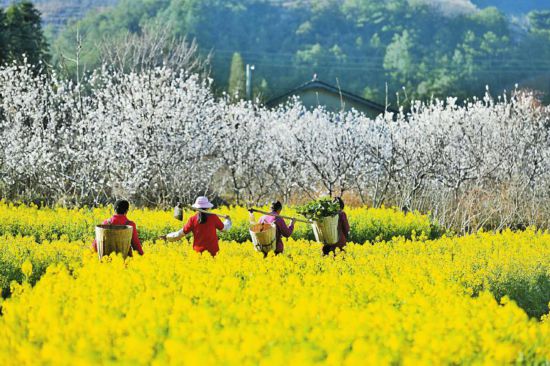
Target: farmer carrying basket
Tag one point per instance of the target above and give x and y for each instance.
(273, 223)
(328, 222)
(343, 230)
(117, 234)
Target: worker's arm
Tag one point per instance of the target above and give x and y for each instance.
(227, 224)
(223, 226)
(285, 231)
(345, 225)
(176, 235)
(136, 244)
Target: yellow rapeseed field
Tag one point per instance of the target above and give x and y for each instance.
(78, 224)
(479, 299)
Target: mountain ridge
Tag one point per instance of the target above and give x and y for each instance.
(58, 12)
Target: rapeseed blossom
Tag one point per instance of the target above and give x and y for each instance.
(368, 224)
(478, 299)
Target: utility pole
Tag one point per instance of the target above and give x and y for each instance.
(249, 70)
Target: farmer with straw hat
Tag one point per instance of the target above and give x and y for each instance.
(282, 229)
(203, 226)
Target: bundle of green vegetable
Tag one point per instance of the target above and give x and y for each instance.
(317, 209)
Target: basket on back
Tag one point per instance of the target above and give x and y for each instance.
(263, 237)
(113, 239)
(326, 230)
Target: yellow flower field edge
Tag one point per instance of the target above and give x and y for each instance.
(403, 302)
(367, 224)
(16, 253)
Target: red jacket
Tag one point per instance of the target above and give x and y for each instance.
(205, 236)
(343, 230)
(123, 220)
(282, 229)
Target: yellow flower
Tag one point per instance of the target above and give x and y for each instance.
(26, 268)
(477, 299)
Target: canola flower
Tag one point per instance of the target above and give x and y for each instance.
(22, 225)
(22, 259)
(368, 224)
(478, 299)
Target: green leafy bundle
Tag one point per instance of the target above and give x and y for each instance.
(323, 207)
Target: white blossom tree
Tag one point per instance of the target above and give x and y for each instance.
(158, 134)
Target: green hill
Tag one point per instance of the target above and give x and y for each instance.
(362, 45)
(419, 48)
(514, 6)
(56, 13)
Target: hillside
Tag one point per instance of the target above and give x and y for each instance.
(56, 13)
(429, 47)
(426, 47)
(514, 6)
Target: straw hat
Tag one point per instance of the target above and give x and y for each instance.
(202, 202)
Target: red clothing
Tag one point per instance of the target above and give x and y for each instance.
(205, 236)
(343, 230)
(282, 229)
(123, 220)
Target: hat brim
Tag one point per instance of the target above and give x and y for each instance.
(206, 206)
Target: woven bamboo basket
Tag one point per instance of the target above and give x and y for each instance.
(113, 239)
(263, 237)
(326, 230)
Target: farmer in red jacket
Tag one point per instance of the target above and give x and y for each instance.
(343, 230)
(121, 209)
(282, 229)
(203, 226)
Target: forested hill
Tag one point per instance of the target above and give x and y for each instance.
(514, 6)
(362, 45)
(417, 48)
(56, 13)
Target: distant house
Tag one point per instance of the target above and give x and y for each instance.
(316, 93)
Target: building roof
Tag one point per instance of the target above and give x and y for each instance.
(318, 84)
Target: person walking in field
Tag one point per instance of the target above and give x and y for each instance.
(204, 227)
(282, 229)
(121, 209)
(343, 230)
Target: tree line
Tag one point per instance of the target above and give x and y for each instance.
(158, 135)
